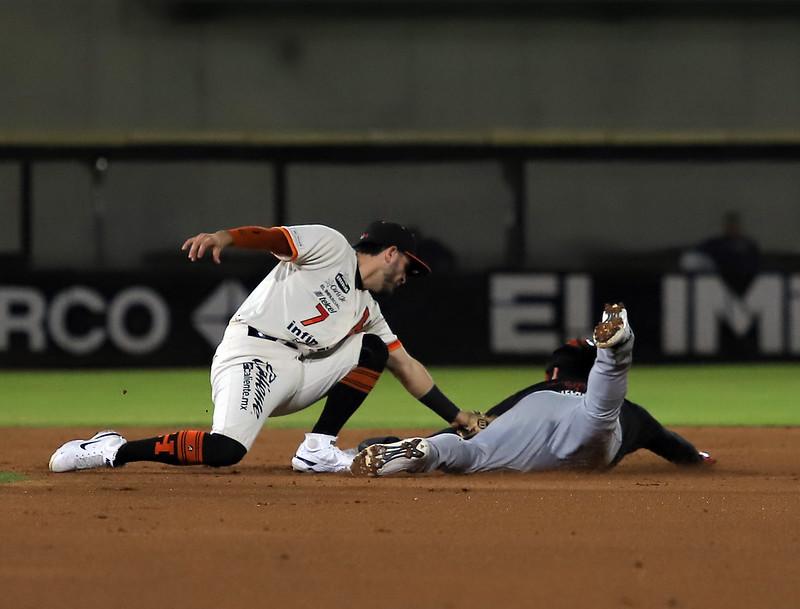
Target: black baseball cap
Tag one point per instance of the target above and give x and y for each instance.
(574, 360)
(386, 233)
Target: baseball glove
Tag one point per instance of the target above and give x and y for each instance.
(478, 421)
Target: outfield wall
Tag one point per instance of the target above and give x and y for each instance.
(98, 320)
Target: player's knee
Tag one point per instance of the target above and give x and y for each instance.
(220, 450)
(374, 353)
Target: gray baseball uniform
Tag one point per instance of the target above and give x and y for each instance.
(547, 429)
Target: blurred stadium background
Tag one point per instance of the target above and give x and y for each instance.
(552, 155)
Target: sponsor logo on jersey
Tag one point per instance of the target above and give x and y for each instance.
(330, 306)
(301, 336)
(257, 379)
(332, 291)
(342, 283)
(297, 236)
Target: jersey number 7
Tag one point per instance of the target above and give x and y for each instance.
(323, 315)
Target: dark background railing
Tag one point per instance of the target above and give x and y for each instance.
(512, 150)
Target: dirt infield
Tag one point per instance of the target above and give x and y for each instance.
(257, 535)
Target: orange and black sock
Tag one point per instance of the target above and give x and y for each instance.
(183, 448)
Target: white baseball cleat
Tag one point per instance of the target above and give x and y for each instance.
(613, 329)
(319, 454)
(98, 451)
(385, 459)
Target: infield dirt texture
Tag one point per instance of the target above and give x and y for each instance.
(645, 534)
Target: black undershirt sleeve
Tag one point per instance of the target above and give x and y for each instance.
(510, 402)
(440, 404)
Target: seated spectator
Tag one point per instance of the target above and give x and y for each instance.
(732, 254)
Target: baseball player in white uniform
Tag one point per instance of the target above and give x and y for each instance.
(310, 329)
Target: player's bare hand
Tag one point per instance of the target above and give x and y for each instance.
(200, 243)
(462, 419)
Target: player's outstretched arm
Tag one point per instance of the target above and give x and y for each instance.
(418, 382)
(273, 240)
(411, 373)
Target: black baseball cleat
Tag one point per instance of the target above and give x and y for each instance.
(376, 440)
(707, 459)
(384, 459)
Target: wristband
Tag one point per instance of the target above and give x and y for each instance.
(440, 404)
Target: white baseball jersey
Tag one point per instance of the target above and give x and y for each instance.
(310, 298)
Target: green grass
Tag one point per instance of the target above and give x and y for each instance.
(763, 394)
(8, 477)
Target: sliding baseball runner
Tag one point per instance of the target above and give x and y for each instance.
(562, 423)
